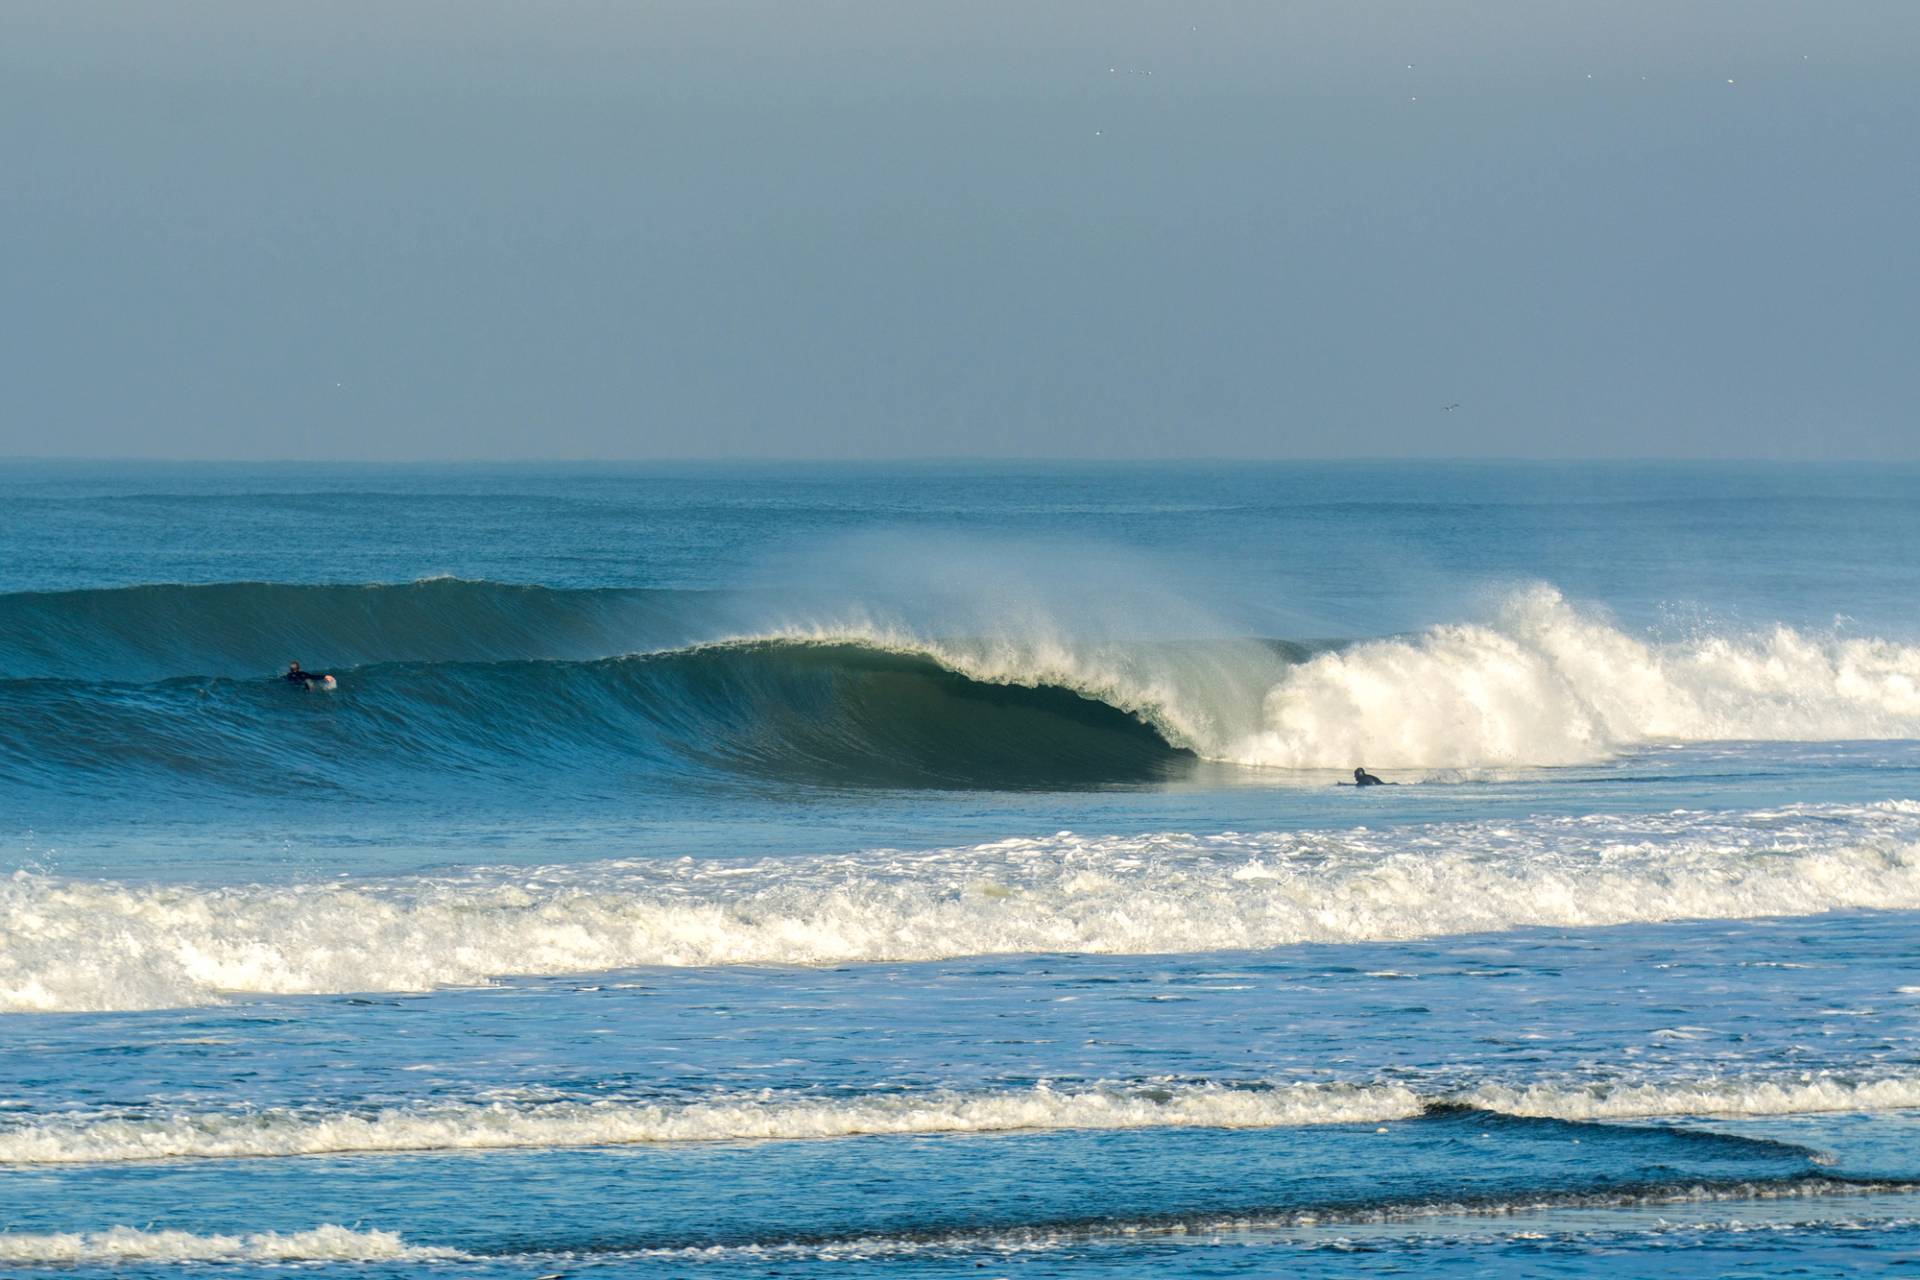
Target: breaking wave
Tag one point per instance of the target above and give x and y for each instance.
(1548, 683)
(509, 1124)
(764, 1115)
(788, 712)
(482, 681)
(94, 945)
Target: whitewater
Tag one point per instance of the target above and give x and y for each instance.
(90, 945)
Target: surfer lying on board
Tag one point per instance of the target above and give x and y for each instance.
(1361, 778)
(306, 679)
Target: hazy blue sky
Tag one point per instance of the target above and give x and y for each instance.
(888, 228)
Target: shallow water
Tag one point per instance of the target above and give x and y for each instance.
(726, 871)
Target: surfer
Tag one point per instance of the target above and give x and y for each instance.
(1361, 778)
(305, 679)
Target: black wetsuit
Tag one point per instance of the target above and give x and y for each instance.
(303, 677)
(1361, 778)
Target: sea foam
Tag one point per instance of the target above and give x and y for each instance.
(505, 1123)
(326, 1243)
(761, 1115)
(92, 945)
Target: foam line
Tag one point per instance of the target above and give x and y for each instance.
(1731, 1097)
(500, 1125)
(1394, 1217)
(509, 1124)
(99, 945)
(131, 1244)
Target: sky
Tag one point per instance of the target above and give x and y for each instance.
(452, 229)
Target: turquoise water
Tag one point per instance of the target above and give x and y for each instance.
(805, 869)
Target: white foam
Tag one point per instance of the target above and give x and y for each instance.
(500, 1125)
(1729, 1097)
(93, 945)
(131, 1244)
(1551, 684)
(1543, 683)
(509, 1123)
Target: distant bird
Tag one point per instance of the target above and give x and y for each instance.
(1448, 408)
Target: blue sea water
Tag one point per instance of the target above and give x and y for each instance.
(860, 870)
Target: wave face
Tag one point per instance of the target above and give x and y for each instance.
(90, 945)
(783, 711)
(514, 1124)
(141, 687)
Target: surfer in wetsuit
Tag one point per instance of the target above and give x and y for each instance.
(305, 679)
(1361, 778)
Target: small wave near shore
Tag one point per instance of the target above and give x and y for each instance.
(537, 1123)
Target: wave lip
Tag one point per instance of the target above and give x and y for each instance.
(83, 945)
(326, 1243)
(769, 1116)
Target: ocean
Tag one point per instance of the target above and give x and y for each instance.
(738, 870)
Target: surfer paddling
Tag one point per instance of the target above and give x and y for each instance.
(1361, 778)
(305, 679)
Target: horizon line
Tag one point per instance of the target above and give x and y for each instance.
(951, 460)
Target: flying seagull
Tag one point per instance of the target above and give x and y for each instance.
(1448, 408)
